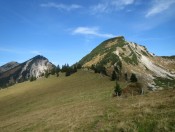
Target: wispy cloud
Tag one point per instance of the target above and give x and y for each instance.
(36, 52)
(20, 51)
(159, 6)
(110, 5)
(94, 31)
(6, 50)
(61, 6)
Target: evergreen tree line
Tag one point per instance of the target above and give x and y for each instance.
(115, 76)
(99, 68)
(68, 70)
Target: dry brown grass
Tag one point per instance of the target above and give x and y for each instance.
(111, 43)
(94, 60)
(83, 102)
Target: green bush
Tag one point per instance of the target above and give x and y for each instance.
(114, 76)
(32, 78)
(117, 89)
(133, 78)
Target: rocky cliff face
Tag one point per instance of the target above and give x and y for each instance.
(35, 67)
(127, 57)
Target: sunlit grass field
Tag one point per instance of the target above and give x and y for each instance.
(83, 102)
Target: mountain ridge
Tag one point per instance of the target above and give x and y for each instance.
(113, 55)
(126, 57)
(8, 66)
(34, 67)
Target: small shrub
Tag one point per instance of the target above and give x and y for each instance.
(114, 76)
(32, 78)
(133, 78)
(117, 90)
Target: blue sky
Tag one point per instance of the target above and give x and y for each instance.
(66, 30)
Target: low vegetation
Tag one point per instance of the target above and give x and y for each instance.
(83, 102)
(165, 82)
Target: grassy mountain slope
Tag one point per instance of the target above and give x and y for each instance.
(124, 57)
(83, 102)
(103, 52)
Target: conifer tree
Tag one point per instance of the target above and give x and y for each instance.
(113, 77)
(46, 74)
(126, 76)
(133, 78)
(117, 90)
(32, 78)
(53, 71)
(57, 70)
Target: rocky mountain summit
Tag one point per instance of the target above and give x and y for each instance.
(13, 72)
(126, 57)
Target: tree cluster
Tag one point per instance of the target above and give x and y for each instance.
(69, 69)
(53, 71)
(133, 79)
(32, 78)
(98, 68)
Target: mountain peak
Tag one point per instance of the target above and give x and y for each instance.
(39, 57)
(120, 37)
(128, 57)
(34, 67)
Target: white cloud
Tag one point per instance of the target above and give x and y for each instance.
(91, 31)
(122, 2)
(159, 6)
(20, 51)
(61, 6)
(110, 5)
(6, 50)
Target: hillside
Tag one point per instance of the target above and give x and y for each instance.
(83, 102)
(15, 73)
(125, 58)
(8, 66)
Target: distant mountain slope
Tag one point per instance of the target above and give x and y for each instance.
(127, 57)
(8, 66)
(34, 67)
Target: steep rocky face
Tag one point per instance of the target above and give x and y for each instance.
(127, 57)
(8, 66)
(35, 67)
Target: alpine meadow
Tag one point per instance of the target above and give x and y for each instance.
(87, 66)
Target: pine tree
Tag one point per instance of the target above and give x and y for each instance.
(113, 77)
(100, 69)
(92, 67)
(53, 71)
(126, 76)
(133, 78)
(46, 74)
(68, 72)
(79, 66)
(57, 70)
(117, 90)
(32, 78)
(75, 69)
